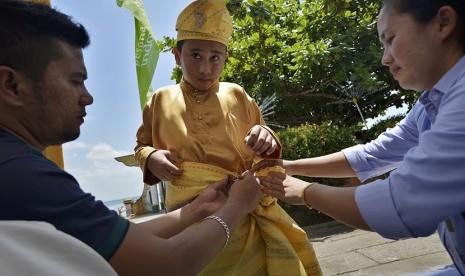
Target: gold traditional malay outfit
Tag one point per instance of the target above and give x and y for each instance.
(207, 130)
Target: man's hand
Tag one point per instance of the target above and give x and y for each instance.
(211, 199)
(283, 187)
(245, 192)
(260, 141)
(161, 164)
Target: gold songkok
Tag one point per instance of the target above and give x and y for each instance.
(205, 20)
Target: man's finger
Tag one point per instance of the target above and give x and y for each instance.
(220, 185)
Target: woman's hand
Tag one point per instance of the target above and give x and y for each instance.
(283, 187)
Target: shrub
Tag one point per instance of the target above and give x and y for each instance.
(379, 127)
(311, 141)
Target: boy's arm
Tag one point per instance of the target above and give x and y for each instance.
(144, 147)
(279, 150)
(257, 118)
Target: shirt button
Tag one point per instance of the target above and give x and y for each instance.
(198, 101)
(200, 117)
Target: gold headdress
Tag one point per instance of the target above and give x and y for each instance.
(205, 20)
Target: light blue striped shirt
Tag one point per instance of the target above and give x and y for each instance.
(426, 191)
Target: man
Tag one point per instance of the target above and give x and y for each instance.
(42, 103)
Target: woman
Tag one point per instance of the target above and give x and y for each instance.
(424, 48)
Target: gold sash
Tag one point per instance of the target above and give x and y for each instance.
(267, 242)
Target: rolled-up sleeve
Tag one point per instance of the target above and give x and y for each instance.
(428, 187)
(386, 153)
(379, 211)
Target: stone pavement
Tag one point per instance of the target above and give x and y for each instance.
(341, 250)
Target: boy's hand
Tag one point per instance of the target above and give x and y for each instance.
(260, 141)
(161, 164)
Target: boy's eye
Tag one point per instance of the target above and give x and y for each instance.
(196, 56)
(215, 58)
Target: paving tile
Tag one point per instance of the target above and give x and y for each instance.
(345, 262)
(403, 249)
(331, 247)
(405, 267)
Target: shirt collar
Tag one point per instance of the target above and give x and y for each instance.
(188, 88)
(431, 99)
(452, 76)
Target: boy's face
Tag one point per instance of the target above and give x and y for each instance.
(201, 62)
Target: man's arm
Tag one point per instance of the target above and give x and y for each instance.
(143, 253)
(205, 204)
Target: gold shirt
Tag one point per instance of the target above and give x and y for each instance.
(207, 130)
(200, 126)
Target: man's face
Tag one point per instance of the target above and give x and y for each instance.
(58, 103)
(202, 62)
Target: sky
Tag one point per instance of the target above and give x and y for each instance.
(114, 117)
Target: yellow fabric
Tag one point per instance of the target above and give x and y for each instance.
(205, 20)
(209, 127)
(55, 154)
(201, 126)
(267, 242)
(44, 2)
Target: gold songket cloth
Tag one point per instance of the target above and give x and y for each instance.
(267, 242)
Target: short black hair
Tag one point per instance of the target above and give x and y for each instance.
(29, 34)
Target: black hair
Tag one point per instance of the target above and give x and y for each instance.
(179, 45)
(424, 10)
(29, 34)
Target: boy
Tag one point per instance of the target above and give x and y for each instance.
(200, 130)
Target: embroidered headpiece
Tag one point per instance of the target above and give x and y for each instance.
(205, 20)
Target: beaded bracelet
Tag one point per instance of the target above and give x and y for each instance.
(302, 195)
(225, 226)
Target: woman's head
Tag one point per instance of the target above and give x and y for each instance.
(422, 39)
(424, 11)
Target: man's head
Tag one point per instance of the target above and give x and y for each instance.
(42, 73)
(204, 29)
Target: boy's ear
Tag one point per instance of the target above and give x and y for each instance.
(447, 21)
(177, 55)
(13, 86)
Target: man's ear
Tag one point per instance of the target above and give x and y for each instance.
(177, 55)
(447, 21)
(13, 86)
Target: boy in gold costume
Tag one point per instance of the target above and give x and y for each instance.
(201, 130)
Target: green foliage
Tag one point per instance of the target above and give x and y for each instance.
(311, 141)
(315, 140)
(378, 128)
(299, 49)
